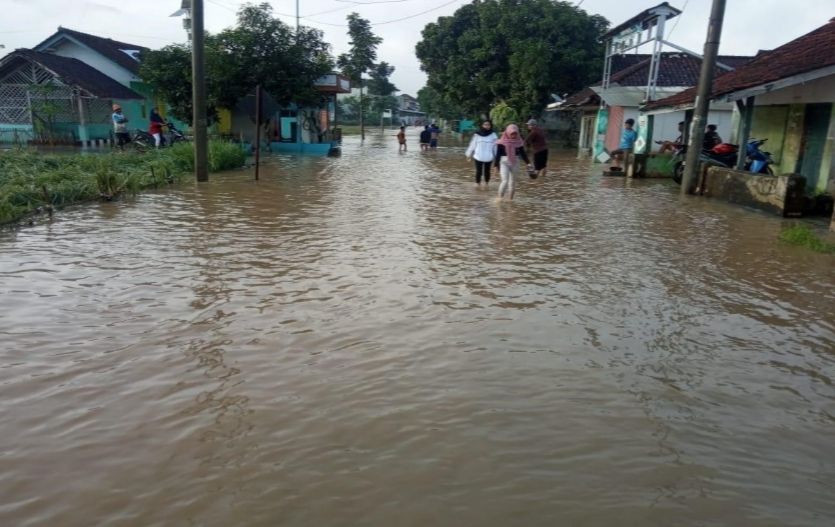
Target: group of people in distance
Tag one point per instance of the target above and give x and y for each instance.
(428, 137)
(503, 153)
(629, 135)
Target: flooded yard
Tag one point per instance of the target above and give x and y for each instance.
(371, 340)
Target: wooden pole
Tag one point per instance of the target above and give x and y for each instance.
(257, 130)
(198, 77)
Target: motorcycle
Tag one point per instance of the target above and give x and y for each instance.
(723, 154)
(142, 140)
(174, 135)
(758, 161)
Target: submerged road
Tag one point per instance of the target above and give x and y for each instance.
(371, 340)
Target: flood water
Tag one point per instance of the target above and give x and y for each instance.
(370, 340)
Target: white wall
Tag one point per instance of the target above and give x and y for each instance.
(70, 49)
(665, 126)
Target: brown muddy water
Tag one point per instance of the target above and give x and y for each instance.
(371, 341)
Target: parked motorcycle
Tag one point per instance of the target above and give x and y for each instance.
(723, 154)
(758, 161)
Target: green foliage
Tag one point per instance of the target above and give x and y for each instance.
(363, 50)
(436, 104)
(260, 49)
(803, 236)
(379, 84)
(31, 180)
(503, 115)
(519, 51)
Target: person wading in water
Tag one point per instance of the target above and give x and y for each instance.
(483, 150)
(508, 151)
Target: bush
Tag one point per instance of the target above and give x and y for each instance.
(29, 180)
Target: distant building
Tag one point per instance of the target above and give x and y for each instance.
(408, 109)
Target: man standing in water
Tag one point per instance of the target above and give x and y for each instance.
(538, 144)
(433, 138)
(425, 137)
(401, 139)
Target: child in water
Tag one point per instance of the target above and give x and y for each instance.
(401, 138)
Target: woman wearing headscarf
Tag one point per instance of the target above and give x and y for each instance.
(508, 151)
(483, 149)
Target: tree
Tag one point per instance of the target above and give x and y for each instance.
(361, 57)
(379, 84)
(517, 51)
(435, 105)
(260, 49)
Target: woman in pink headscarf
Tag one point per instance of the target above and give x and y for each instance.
(508, 151)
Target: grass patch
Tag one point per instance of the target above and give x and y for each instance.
(803, 236)
(31, 182)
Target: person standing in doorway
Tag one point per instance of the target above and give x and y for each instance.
(120, 127)
(627, 143)
(401, 139)
(482, 149)
(425, 137)
(508, 151)
(434, 132)
(538, 144)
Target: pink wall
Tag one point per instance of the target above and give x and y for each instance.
(615, 127)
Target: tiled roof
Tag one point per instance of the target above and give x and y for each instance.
(810, 52)
(73, 72)
(112, 49)
(676, 70)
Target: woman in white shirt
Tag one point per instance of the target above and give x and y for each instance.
(483, 149)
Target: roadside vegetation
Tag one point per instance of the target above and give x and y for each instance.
(803, 236)
(32, 182)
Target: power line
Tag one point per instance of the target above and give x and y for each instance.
(393, 20)
(678, 18)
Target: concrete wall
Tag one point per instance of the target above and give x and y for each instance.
(781, 195)
(68, 48)
(782, 125)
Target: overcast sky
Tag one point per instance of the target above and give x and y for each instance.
(750, 25)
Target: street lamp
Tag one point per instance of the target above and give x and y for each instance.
(185, 10)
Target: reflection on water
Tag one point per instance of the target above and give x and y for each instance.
(371, 340)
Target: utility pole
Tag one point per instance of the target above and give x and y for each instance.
(297, 20)
(257, 130)
(198, 78)
(694, 148)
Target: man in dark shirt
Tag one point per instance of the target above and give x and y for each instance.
(538, 144)
(711, 138)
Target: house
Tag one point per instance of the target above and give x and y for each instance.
(602, 111)
(786, 95)
(408, 109)
(76, 77)
(630, 79)
(57, 99)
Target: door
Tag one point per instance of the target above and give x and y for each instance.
(815, 127)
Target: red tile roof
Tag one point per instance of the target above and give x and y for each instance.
(810, 52)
